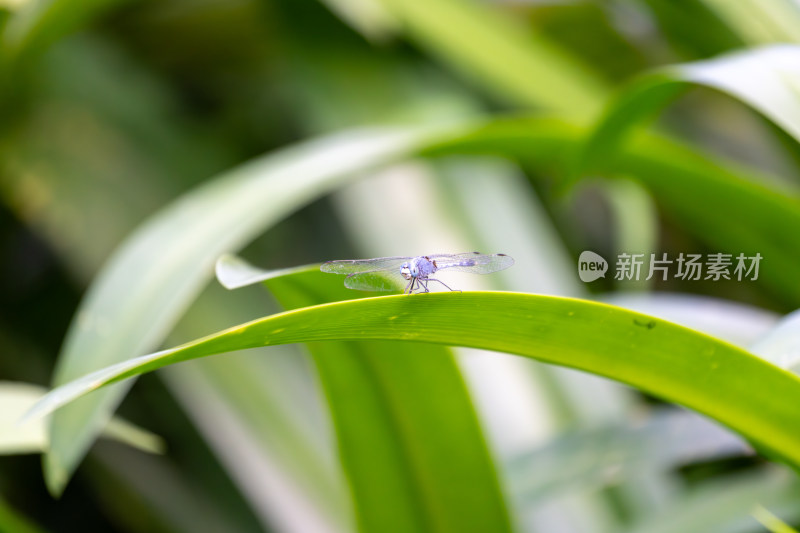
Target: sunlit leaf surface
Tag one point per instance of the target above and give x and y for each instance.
(670, 361)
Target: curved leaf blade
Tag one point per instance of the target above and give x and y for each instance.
(195, 231)
(762, 21)
(677, 364)
(736, 323)
(766, 79)
(771, 522)
(143, 302)
(409, 438)
(766, 216)
(726, 504)
(511, 60)
(607, 454)
(233, 272)
(12, 520)
(35, 25)
(17, 398)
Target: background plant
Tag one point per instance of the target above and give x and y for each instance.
(175, 132)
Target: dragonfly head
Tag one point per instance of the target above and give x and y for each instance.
(409, 270)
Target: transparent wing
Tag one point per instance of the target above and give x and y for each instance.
(355, 266)
(380, 280)
(474, 262)
(445, 258)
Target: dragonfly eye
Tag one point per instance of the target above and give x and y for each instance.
(415, 271)
(405, 271)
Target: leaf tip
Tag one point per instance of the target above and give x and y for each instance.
(55, 475)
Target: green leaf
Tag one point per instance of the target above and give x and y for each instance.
(495, 51)
(664, 359)
(11, 520)
(767, 79)
(761, 21)
(693, 28)
(727, 504)
(17, 398)
(233, 272)
(408, 435)
(606, 455)
(409, 438)
(635, 223)
(143, 303)
(218, 217)
(771, 522)
(732, 322)
(38, 23)
(765, 216)
(366, 16)
(748, 217)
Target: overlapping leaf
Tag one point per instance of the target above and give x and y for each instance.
(664, 359)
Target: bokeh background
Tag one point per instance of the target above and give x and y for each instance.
(112, 110)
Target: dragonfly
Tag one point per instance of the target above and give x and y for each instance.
(381, 273)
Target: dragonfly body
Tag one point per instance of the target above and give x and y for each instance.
(377, 274)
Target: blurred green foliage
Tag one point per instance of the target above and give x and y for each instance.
(111, 112)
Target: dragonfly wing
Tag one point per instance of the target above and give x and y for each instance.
(454, 257)
(474, 262)
(355, 266)
(379, 280)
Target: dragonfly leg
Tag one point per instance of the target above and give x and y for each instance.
(409, 287)
(424, 284)
(443, 283)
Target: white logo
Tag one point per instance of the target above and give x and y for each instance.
(692, 267)
(591, 266)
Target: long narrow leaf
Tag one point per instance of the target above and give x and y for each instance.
(761, 21)
(767, 79)
(407, 431)
(514, 63)
(733, 322)
(141, 303)
(184, 241)
(765, 216)
(727, 504)
(661, 358)
(17, 398)
(609, 454)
